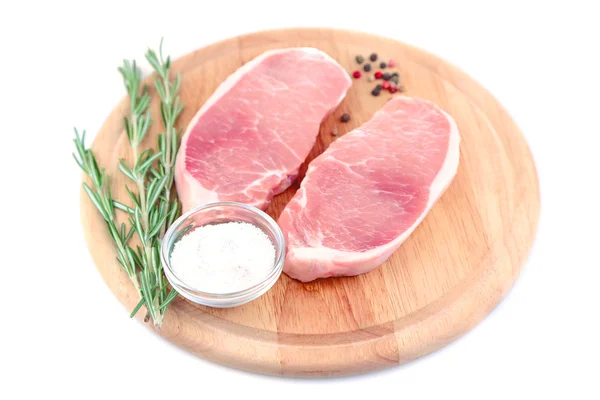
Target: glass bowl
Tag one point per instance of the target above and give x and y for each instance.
(216, 213)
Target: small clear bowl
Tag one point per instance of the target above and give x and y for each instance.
(216, 213)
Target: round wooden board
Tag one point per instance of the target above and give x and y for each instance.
(453, 270)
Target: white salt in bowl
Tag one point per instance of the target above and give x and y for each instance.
(218, 213)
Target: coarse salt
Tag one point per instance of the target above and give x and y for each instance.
(223, 258)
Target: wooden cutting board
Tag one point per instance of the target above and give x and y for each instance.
(453, 270)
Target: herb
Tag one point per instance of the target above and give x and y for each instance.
(100, 195)
(170, 109)
(154, 205)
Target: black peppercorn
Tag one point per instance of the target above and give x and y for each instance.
(382, 65)
(373, 57)
(386, 76)
(367, 67)
(376, 92)
(345, 118)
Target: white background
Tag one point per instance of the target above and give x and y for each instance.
(64, 335)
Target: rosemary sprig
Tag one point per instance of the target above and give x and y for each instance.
(168, 142)
(170, 109)
(100, 195)
(154, 207)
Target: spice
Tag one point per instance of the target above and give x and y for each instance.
(223, 258)
(334, 132)
(345, 118)
(391, 79)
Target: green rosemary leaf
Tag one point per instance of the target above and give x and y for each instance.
(169, 299)
(142, 169)
(157, 227)
(174, 212)
(129, 235)
(95, 200)
(177, 85)
(160, 184)
(154, 172)
(144, 125)
(123, 230)
(159, 88)
(132, 256)
(161, 144)
(125, 170)
(107, 202)
(133, 197)
(83, 167)
(147, 294)
(138, 224)
(122, 207)
(137, 308)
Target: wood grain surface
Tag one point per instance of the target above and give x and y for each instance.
(453, 270)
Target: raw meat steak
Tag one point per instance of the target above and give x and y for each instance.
(369, 190)
(248, 140)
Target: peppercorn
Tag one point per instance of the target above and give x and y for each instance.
(370, 78)
(367, 67)
(392, 63)
(386, 85)
(376, 92)
(360, 59)
(373, 57)
(387, 76)
(382, 65)
(395, 79)
(378, 87)
(395, 74)
(345, 118)
(393, 89)
(378, 75)
(356, 74)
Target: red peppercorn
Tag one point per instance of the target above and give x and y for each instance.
(391, 63)
(356, 74)
(385, 85)
(378, 75)
(393, 89)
